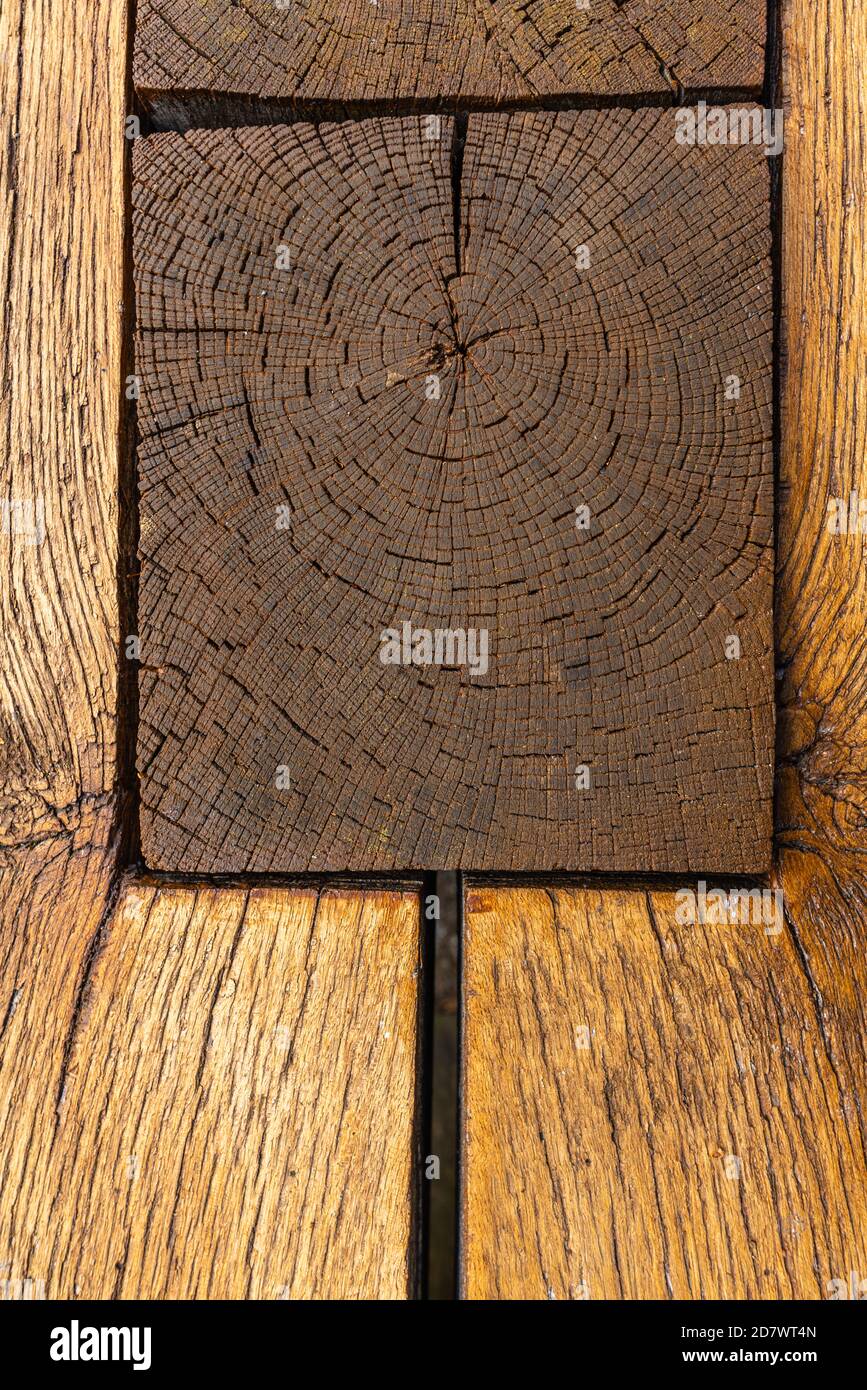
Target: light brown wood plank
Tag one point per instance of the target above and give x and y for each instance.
(61, 245)
(62, 104)
(822, 579)
(822, 524)
(700, 1140)
(54, 899)
(236, 1116)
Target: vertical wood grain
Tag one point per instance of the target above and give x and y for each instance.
(61, 246)
(654, 1110)
(62, 85)
(822, 578)
(229, 1109)
(54, 909)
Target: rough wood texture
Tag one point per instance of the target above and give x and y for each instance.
(822, 582)
(61, 247)
(63, 81)
(54, 897)
(302, 494)
(703, 1139)
(315, 50)
(729, 1042)
(226, 1111)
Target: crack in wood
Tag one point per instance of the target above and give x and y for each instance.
(187, 58)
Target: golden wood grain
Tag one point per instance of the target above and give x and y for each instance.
(228, 1110)
(822, 578)
(700, 1140)
(61, 247)
(53, 900)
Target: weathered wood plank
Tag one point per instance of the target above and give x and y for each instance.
(728, 1040)
(54, 899)
(822, 581)
(192, 58)
(655, 1110)
(381, 391)
(61, 244)
(62, 102)
(227, 1111)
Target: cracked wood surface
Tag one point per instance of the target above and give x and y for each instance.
(607, 1165)
(302, 388)
(225, 1109)
(61, 245)
(194, 59)
(59, 961)
(704, 1138)
(822, 579)
(55, 902)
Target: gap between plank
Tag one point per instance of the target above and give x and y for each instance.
(207, 110)
(441, 1081)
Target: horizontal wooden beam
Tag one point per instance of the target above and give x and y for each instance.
(193, 60)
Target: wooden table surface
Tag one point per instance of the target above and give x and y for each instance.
(213, 1088)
